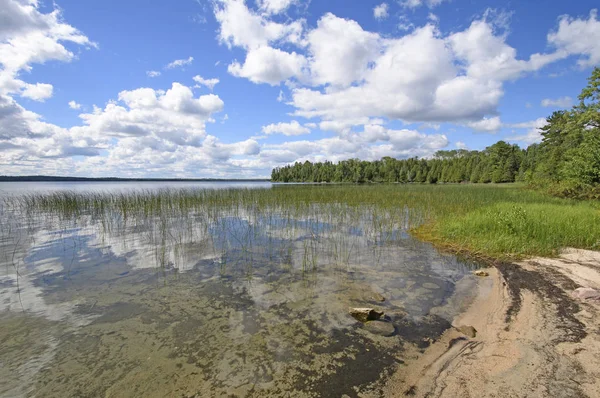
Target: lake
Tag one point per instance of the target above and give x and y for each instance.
(213, 289)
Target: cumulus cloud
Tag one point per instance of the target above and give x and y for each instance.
(381, 11)
(268, 65)
(340, 51)
(241, 27)
(27, 37)
(350, 73)
(173, 115)
(152, 73)
(366, 145)
(179, 63)
(37, 92)
(210, 83)
(292, 128)
(532, 133)
(562, 102)
(74, 105)
(486, 125)
(578, 37)
(347, 81)
(275, 6)
(418, 3)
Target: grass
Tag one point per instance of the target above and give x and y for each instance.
(491, 221)
(507, 230)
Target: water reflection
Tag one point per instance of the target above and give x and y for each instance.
(240, 300)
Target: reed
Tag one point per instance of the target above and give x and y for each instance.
(499, 221)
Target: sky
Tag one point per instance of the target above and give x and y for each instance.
(233, 88)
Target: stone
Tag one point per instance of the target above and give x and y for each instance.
(365, 314)
(377, 297)
(380, 328)
(430, 285)
(586, 293)
(481, 272)
(467, 330)
(395, 314)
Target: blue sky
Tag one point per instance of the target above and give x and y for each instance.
(228, 88)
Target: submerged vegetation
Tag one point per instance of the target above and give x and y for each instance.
(489, 220)
(566, 162)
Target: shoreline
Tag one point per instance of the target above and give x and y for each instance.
(534, 338)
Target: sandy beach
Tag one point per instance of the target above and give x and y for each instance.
(535, 337)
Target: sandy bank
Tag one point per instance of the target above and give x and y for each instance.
(534, 338)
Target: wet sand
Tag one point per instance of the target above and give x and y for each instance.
(534, 338)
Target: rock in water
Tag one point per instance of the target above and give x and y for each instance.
(586, 293)
(365, 314)
(467, 330)
(481, 273)
(377, 297)
(381, 328)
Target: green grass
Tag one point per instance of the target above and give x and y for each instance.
(493, 221)
(508, 230)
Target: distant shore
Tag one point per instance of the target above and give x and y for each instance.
(41, 178)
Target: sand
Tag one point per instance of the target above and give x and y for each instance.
(534, 339)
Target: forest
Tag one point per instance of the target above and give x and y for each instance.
(566, 161)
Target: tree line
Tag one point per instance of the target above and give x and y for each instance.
(567, 160)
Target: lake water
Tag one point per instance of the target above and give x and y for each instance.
(14, 188)
(213, 294)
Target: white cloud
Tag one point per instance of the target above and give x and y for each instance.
(345, 79)
(27, 37)
(404, 23)
(460, 145)
(340, 51)
(381, 11)
(562, 102)
(421, 77)
(532, 133)
(418, 3)
(143, 132)
(152, 73)
(578, 37)
(210, 83)
(433, 18)
(268, 65)
(487, 125)
(178, 63)
(37, 92)
(32, 37)
(369, 146)
(292, 128)
(244, 28)
(275, 6)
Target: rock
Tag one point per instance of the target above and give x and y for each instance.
(377, 297)
(467, 330)
(481, 272)
(365, 314)
(395, 314)
(430, 285)
(380, 328)
(586, 293)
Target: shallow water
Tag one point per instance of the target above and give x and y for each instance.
(231, 301)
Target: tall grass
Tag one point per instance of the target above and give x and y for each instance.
(497, 221)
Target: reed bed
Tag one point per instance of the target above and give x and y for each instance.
(499, 221)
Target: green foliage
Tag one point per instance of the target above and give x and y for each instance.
(507, 230)
(498, 163)
(568, 158)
